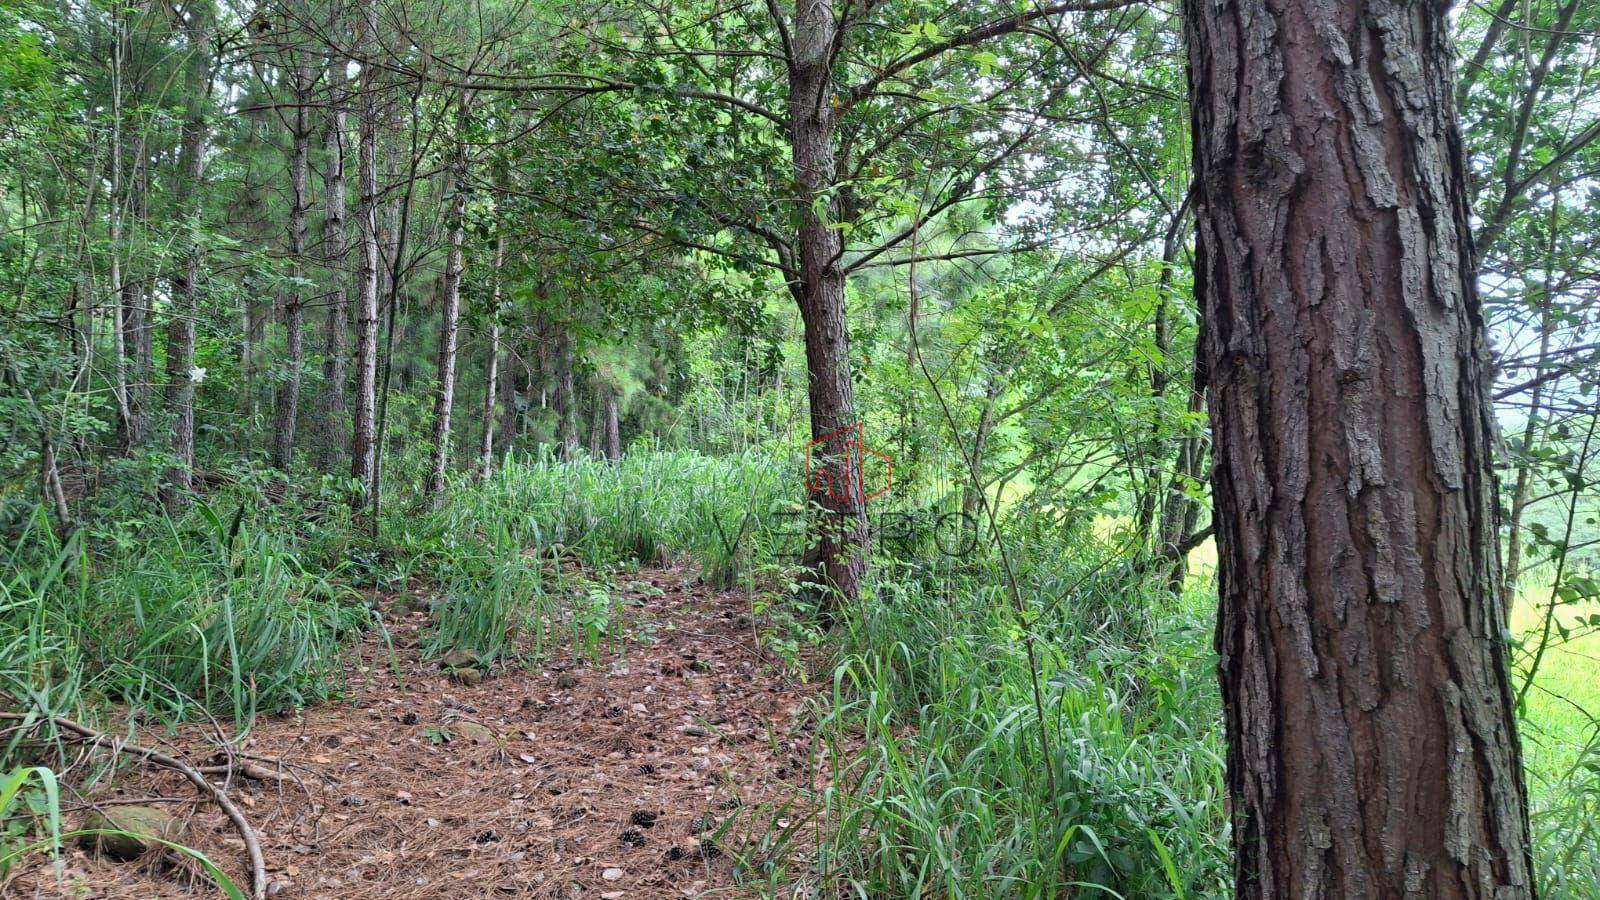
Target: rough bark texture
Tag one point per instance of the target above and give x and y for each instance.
(286, 407)
(363, 456)
(613, 425)
(336, 340)
(1372, 750)
(842, 532)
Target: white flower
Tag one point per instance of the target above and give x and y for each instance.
(197, 374)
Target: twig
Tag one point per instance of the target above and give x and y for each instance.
(258, 866)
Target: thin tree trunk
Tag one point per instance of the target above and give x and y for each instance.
(50, 478)
(1372, 746)
(449, 329)
(1160, 380)
(137, 341)
(491, 379)
(336, 342)
(972, 487)
(566, 400)
(842, 525)
(137, 322)
(180, 370)
(397, 216)
(1519, 492)
(510, 415)
(613, 425)
(1180, 512)
(114, 214)
(287, 405)
(597, 425)
(364, 436)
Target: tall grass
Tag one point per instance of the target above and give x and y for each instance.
(951, 793)
(644, 508)
(242, 605)
(962, 765)
(212, 613)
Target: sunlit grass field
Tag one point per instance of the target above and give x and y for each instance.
(1563, 703)
(1562, 709)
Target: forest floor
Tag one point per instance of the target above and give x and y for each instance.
(665, 768)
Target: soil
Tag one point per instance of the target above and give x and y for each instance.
(666, 767)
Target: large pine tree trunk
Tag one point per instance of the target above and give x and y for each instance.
(842, 525)
(336, 340)
(363, 456)
(286, 408)
(1372, 750)
(180, 371)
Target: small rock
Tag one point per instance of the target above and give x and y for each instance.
(474, 732)
(611, 874)
(137, 827)
(460, 658)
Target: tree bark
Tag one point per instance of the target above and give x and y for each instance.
(613, 425)
(491, 378)
(510, 414)
(597, 424)
(138, 328)
(286, 408)
(336, 340)
(450, 317)
(1180, 511)
(180, 374)
(565, 389)
(842, 525)
(114, 214)
(1372, 748)
(363, 455)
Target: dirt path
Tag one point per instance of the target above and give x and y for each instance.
(569, 780)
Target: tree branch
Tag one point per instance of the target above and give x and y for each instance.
(974, 36)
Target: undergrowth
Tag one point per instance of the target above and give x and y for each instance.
(975, 746)
(962, 789)
(247, 603)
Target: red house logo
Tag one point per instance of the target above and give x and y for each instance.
(845, 475)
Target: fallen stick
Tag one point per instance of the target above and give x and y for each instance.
(258, 865)
(251, 770)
